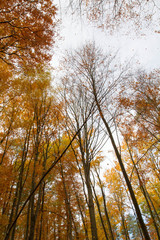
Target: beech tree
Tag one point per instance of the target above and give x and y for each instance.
(77, 108)
(87, 65)
(139, 109)
(27, 31)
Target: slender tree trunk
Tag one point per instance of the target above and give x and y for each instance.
(145, 193)
(105, 207)
(20, 180)
(134, 200)
(42, 206)
(150, 210)
(68, 207)
(91, 204)
(86, 166)
(100, 214)
(81, 213)
(150, 200)
(124, 226)
(5, 150)
(27, 223)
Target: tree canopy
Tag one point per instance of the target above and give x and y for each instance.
(58, 179)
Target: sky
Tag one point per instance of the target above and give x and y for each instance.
(76, 31)
(143, 49)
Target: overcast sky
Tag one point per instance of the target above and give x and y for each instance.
(145, 48)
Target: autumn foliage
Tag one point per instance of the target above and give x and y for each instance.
(27, 31)
(52, 187)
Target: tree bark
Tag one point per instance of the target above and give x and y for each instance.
(100, 214)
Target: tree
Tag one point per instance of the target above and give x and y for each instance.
(27, 31)
(139, 108)
(88, 64)
(110, 14)
(101, 185)
(77, 109)
(26, 153)
(118, 195)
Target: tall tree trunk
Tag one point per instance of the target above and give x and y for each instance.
(27, 222)
(134, 200)
(86, 166)
(91, 204)
(32, 199)
(68, 207)
(81, 213)
(100, 214)
(20, 183)
(145, 193)
(105, 207)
